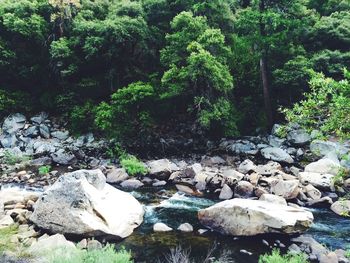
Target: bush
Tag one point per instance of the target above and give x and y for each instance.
(82, 118)
(326, 107)
(105, 255)
(132, 165)
(5, 240)
(276, 257)
(44, 169)
(13, 101)
(12, 158)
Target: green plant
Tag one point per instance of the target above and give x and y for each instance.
(12, 158)
(282, 131)
(132, 165)
(276, 257)
(5, 240)
(342, 174)
(105, 255)
(44, 169)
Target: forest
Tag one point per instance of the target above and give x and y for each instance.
(125, 67)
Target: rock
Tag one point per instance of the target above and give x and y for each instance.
(320, 181)
(63, 158)
(331, 257)
(226, 193)
(13, 123)
(6, 221)
(41, 161)
(93, 245)
(325, 201)
(240, 147)
(312, 192)
(44, 131)
(82, 244)
(271, 168)
(311, 244)
(275, 141)
(46, 245)
(8, 140)
(341, 208)
(212, 161)
(81, 203)
(39, 118)
(31, 132)
(42, 147)
(247, 166)
(185, 227)
(245, 252)
(244, 217)
(323, 166)
(231, 176)
(162, 168)
(276, 154)
(159, 183)
(161, 227)
(298, 137)
(116, 175)
(244, 189)
(132, 184)
(188, 190)
(287, 189)
(60, 135)
(322, 148)
(273, 199)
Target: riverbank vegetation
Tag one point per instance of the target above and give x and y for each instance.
(125, 68)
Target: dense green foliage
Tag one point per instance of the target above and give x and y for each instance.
(276, 257)
(126, 67)
(326, 107)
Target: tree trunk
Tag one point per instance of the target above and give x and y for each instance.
(263, 68)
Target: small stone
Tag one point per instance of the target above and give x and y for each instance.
(161, 227)
(185, 227)
(93, 245)
(265, 243)
(245, 252)
(159, 183)
(82, 244)
(202, 231)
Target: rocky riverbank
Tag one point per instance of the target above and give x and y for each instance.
(265, 180)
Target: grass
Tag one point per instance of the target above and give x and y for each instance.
(105, 255)
(276, 257)
(133, 166)
(44, 169)
(5, 238)
(12, 159)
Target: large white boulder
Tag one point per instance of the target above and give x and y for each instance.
(320, 181)
(323, 166)
(244, 217)
(82, 203)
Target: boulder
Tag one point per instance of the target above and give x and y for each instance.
(81, 203)
(322, 148)
(320, 181)
(161, 227)
(116, 175)
(44, 131)
(226, 193)
(241, 147)
(312, 192)
(62, 157)
(50, 243)
(231, 176)
(275, 141)
(244, 217)
(323, 166)
(287, 189)
(270, 198)
(60, 135)
(298, 137)
(341, 208)
(244, 189)
(41, 161)
(39, 118)
(246, 166)
(132, 184)
(162, 168)
(276, 154)
(13, 123)
(8, 140)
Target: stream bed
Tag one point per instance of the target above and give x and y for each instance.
(173, 209)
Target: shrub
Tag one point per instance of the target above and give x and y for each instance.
(326, 107)
(276, 257)
(5, 240)
(13, 101)
(82, 118)
(132, 165)
(44, 169)
(12, 158)
(105, 255)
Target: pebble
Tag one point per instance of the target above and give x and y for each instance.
(245, 252)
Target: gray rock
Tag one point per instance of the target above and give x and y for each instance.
(162, 168)
(276, 154)
(44, 131)
(298, 137)
(41, 161)
(60, 135)
(159, 183)
(63, 158)
(276, 141)
(116, 175)
(270, 198)
(244, 189)
(226, 193)
(322, 148)
(48, 244)
(39, 118)
(287, 189)
(320, 181)
(13, 123)
(242, 147)
(82, 203)
(247, 166)
(244, 217)
(8, 140)
(31, 132)
(185, 227)
(341, 208)
(132, 184)
(324, 166)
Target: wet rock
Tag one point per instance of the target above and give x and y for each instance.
(132, 184)
(244, 217)
(270, 198)
(287, 189)
(276, 154)
(323, 166)
(320, 181)
(116, 175)
(80, 203)
(161, 227)
(226, 193)
(341, 208)
(185, 227)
